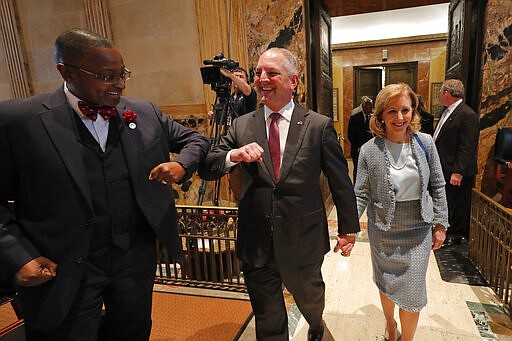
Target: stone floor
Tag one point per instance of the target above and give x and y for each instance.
(353, 312)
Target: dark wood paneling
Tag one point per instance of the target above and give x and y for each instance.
(367, 82)
(320, 76)
(465, 45)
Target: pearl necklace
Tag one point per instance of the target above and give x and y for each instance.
(402, 157)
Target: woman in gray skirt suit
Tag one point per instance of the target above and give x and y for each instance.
(400, 183)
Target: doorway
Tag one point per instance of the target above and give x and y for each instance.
(369, 80)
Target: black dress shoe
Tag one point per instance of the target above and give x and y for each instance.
(448, 242)
(452, 240)
(316, 334)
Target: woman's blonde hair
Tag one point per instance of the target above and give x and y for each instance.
(390, 91)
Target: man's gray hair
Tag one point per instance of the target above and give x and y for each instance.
(291, 63)
(366, 99)
(454, 87)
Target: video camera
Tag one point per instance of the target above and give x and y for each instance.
(211, 74)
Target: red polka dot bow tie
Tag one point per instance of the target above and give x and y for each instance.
(91, 112)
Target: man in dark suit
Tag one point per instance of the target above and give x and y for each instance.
(427, 119)
(90, 174)
(359, 130)
(281, 149)
(456, 136)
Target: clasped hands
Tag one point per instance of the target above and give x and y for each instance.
(456, 179)
(167, 172)
(345, 244)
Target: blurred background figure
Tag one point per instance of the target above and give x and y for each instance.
(359, 130)
(244, 96)
(427, 119)
(243, 99)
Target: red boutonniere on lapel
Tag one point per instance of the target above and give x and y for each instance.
(130, 117)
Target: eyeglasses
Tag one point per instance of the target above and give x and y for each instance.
(107, 79)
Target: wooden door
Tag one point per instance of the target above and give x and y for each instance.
(320, 60)
(367, 82)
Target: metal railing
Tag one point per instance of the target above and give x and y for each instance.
(208, 240)
(490, 245)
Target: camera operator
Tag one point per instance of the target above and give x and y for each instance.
(243, 97)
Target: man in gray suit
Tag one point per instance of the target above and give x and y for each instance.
(281, 149)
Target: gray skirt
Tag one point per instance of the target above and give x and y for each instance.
(400, 256)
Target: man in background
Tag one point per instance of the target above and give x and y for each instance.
(243, 99)
(281, 149)
(427, 119)
(456, 137)
(90, 174)
(359, 129)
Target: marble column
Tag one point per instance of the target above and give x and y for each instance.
(14, 56)
(96, 14)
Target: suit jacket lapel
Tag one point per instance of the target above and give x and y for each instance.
(131, 141)
(450, 119)
(298, 127)
(57, 120)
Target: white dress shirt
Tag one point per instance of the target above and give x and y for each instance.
(284, 125)
(446, 114)
(98, 128)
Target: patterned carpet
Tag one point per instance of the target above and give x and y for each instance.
(180, 317)
(8, 318)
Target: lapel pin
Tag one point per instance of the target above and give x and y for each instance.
(130, 117)
(300, 123)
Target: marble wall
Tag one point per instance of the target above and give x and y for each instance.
(496, 97)
(160, 41)
(272, 23)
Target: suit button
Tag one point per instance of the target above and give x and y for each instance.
(88, 224)
(79, 260)
(276, 191)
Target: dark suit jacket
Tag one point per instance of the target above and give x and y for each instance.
(457, 142)
(358, 133)
(42, 170)
(427, 122)
(286, 218)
